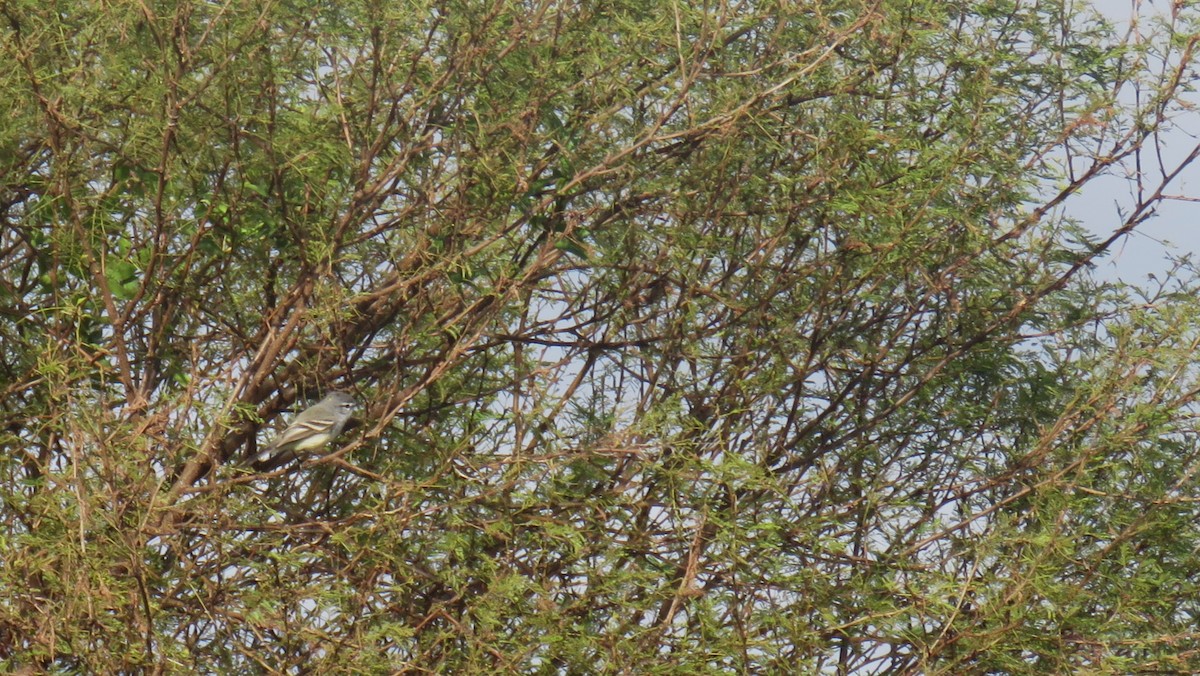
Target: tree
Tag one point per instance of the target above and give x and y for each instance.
(691, 339)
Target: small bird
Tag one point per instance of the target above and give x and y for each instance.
(316, 426)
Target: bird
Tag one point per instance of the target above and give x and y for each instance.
(316, 426)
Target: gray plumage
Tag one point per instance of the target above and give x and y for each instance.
(316, 426)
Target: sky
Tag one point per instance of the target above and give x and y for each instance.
(1175, 230)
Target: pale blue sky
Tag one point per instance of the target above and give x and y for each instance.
(1176, 227)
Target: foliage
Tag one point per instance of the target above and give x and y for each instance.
(737, 338)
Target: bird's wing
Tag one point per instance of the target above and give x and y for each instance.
(305, 425)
